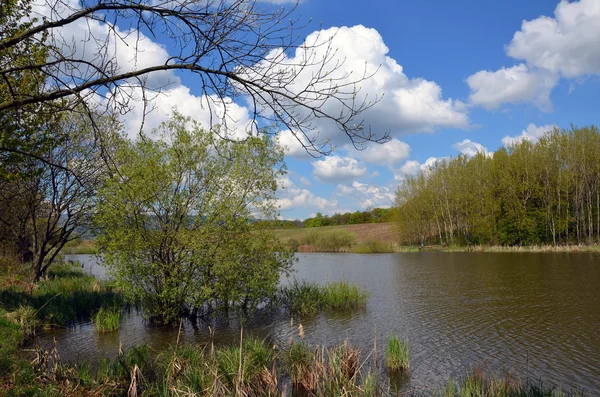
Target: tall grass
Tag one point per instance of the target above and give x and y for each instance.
(397, 355)
(306, 298)
(80, 246)
(328, 241)
(343, 295)
(107, 319)
(373, 247)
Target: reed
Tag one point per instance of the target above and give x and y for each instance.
(343, 295)
(397, 355)
(107, 319)
(301, 297)
(307, 298)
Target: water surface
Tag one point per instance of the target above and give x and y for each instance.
(534, 314)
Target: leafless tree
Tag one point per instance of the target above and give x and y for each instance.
(239, 50)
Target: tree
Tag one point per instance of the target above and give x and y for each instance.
(46, 204)
(176, 224)
(237, 49)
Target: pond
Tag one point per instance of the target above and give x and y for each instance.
(533, 314)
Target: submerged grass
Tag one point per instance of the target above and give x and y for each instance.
(397, 355)
(306, 298)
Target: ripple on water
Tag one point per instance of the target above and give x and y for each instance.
(534, 314)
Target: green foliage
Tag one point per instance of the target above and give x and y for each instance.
(397, 355)
(175, 223)
(107, 319)
(377, 215)
(531, 193)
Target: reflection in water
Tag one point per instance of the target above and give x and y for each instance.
(534, 314)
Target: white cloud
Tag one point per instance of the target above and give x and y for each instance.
(409, 104)
(566, 44)
(305, 181)
(291, 197)
(533, 133)
(389, 153)
(335, 169)
(292, 145)
(470, 148)
(366, 195)
(511, 85)
(413, 167)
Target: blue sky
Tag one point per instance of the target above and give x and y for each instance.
(550, 73)
(458, 76)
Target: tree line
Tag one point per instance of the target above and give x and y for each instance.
(545, 192)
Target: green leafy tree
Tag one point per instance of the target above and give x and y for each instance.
(175, 224)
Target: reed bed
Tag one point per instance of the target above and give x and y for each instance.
(252, 368)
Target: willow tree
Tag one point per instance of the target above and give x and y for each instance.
(176, 223)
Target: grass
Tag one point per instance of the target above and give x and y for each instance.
(80, 246)
(397, 355)
(307, 298)
(65, 295)
(107, 319)
(374, 247)
(343, 295)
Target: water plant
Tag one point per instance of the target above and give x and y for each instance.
(306, 298)
(343, 295)
(107, 319)
(397, 355)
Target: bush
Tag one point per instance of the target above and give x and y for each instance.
(329, 241)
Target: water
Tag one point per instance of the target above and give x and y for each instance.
(536, 315)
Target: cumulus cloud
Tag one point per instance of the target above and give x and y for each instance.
(335, 169)
(511, 85)
(390, 153)
(470, 148)
(563, 46)
(366, 195)
(291, 197)
(292, 145)
(408, 104)
(533, 133)
(413, 167)
(566, 44)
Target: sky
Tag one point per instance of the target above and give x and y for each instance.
(481, 74)
(462, 76)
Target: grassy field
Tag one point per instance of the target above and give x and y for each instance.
(367, 232)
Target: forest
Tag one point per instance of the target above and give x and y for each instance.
(545, 192)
